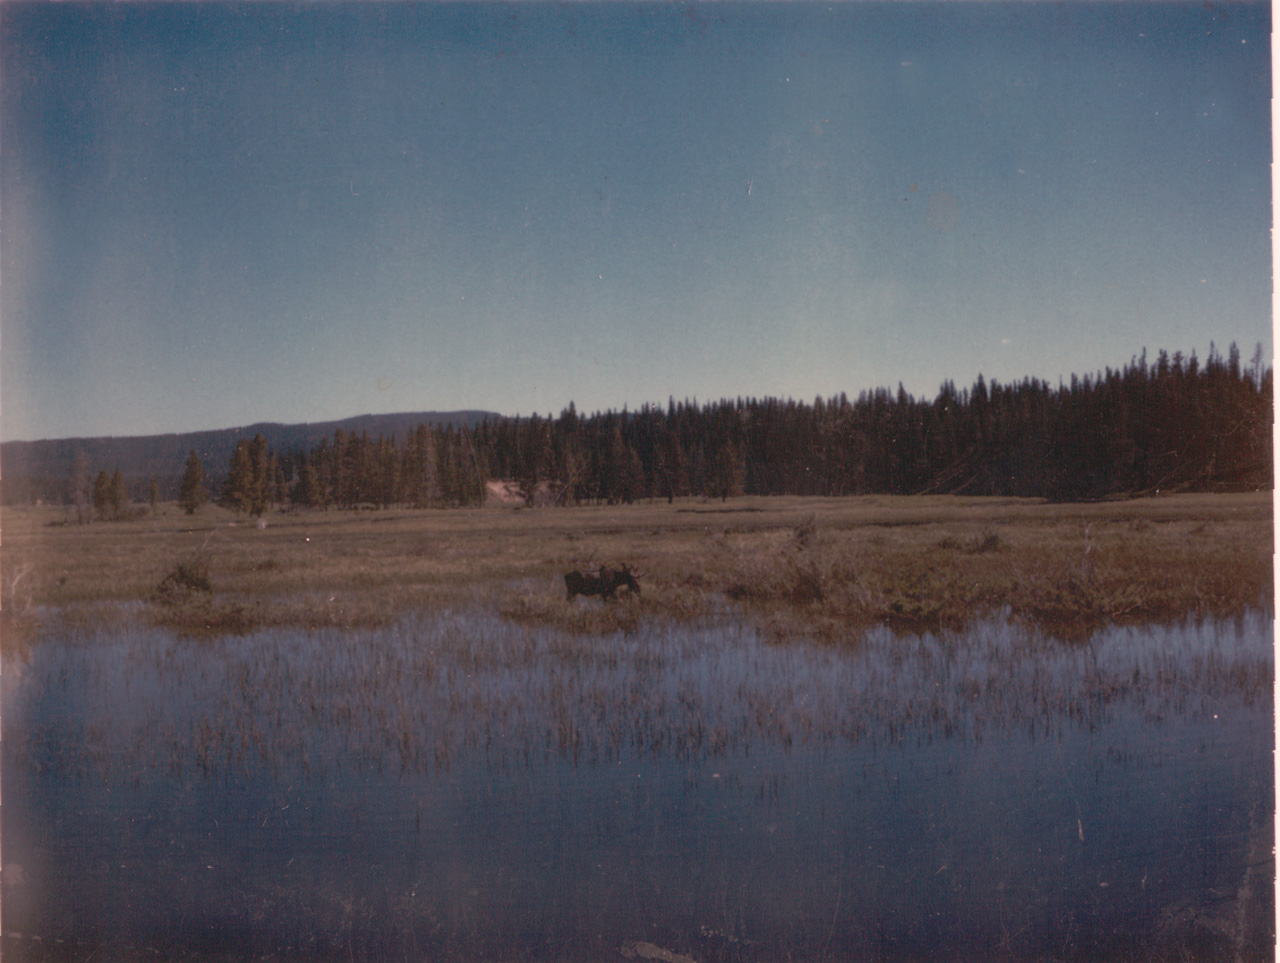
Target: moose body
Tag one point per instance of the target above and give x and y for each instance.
(604, 583)
(582, 583)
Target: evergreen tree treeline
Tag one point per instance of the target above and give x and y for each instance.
(1176, 424)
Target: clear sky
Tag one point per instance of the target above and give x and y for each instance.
(212, 215)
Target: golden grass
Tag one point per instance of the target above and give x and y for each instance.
(798, 565)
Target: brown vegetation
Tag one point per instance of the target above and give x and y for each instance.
(799, 565)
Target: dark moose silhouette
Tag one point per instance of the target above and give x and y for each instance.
(604, 583)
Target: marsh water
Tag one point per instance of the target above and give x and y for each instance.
(459, 787)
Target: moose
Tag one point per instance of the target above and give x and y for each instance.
(604, 583)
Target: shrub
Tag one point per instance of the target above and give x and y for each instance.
(988, 542)
(189, 575)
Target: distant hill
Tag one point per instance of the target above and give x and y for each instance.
(42, 469)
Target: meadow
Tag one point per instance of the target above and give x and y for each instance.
(816, 567)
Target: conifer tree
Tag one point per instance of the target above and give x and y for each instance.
(260, 469)
(118, 495)
(423, 477)
(450, 482)
(306, 492)
(81, 490)
(191, 491)
(237, 492)
(277, 479)
(102, 493)
(729, 470)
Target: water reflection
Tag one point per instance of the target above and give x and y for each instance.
(458, 787)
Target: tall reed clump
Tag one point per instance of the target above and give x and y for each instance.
(814, 583)
(184, 601)
(806, 584)
(825, 583)
(188, 576)
(17, 609)
(792, 572)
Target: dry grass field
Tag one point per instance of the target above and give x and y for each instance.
(798, 566)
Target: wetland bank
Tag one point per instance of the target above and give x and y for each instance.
(814, 566)
(869, 728)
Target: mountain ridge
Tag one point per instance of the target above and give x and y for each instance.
(38, 469)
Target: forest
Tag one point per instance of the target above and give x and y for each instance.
(1173, 425)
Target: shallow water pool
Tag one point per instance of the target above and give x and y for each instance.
(456, 787)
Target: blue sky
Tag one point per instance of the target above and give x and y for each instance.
(217, 214)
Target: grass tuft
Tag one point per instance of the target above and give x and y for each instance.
(987, 542)
(188, 576)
